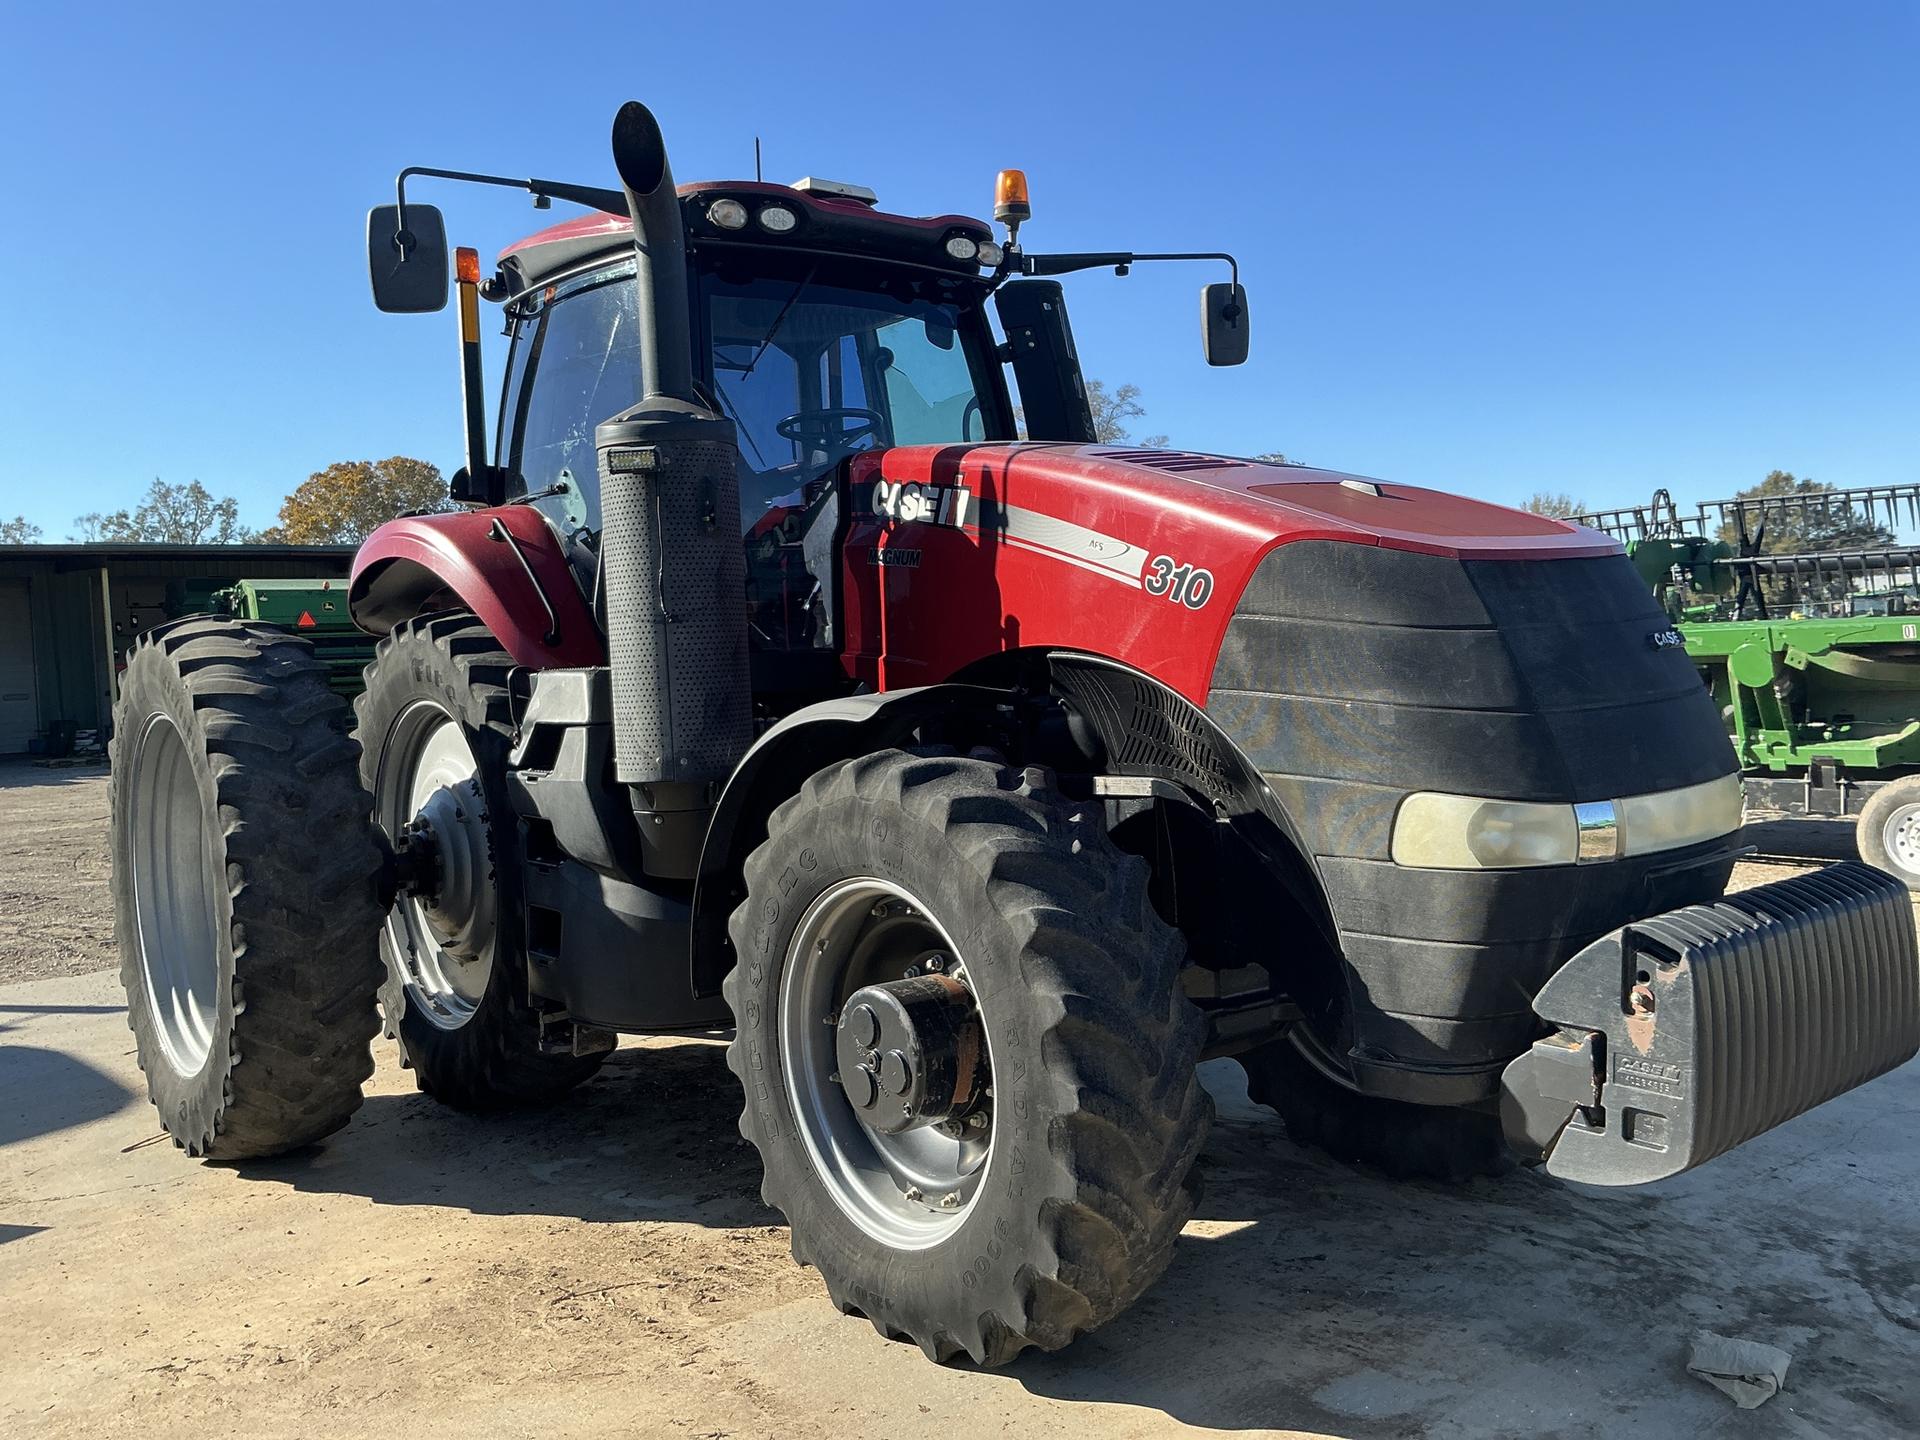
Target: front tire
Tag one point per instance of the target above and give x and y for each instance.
(436, 733)
(244, 888)
(1066, 1203)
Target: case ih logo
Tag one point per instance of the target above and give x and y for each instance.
(930, 504)
(1668, 639)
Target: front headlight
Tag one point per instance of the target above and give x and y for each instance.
(1460, 832)
(1673, 818)
(1463, 832)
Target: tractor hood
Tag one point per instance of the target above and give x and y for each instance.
(1256, 499)
(1141, 554)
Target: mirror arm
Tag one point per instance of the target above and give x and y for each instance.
(544, 193)
(1119, 260)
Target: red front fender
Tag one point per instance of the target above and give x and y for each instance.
(468, 558)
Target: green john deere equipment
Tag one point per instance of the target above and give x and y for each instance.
(316, 610)
(1814, 656)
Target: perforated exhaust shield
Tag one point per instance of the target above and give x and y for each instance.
(674, 574)
(1686, 1034)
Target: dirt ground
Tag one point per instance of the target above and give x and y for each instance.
(606, 1267)
(56, 914)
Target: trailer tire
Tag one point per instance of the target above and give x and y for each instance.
(1406, 1141)
(1097, 1113)
(1888, 830)
(245, 888)
(476, 1048)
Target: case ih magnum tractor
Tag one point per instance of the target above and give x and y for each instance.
(982, 786)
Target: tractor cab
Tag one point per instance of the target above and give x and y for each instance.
(821, 328)
(814, 353)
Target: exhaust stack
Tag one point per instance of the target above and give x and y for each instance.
(673, 567)
(659, 245)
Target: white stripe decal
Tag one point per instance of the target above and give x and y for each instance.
(1089, 549)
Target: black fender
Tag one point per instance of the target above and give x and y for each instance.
(774, 768)
(1145, 729)
(1148, 729)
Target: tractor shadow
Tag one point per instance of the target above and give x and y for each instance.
(20, 774)
(652, 1136)
(44, 1091)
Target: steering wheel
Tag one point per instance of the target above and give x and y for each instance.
(828, 430)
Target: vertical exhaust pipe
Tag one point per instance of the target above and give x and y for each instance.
(673, 566)
(659, 245)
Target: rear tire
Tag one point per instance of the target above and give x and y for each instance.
(1095, 1112)
(1888, 830)
(244, 886)
(1406, 1141)
(436, 695)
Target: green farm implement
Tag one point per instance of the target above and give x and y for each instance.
(1814, 656)
(313, 609)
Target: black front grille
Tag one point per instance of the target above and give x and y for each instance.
(1352, 675)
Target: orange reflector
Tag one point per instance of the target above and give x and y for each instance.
(466, 266)
(306, 620)
(1010, 196)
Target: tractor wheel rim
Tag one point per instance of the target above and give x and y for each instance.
(1902, 836)
(909, 1190)
(442, 941)
(176, 907)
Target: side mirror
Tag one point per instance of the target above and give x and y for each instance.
(409, 268)
(1223, 323)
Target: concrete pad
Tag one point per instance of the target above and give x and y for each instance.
(606, 1267)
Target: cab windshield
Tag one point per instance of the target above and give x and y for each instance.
(813, 371)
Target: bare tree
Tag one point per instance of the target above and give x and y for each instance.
(1111, 411)
(18, 531)
(170, 515)
(1553, 503)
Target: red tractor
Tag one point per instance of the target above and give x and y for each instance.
(983, 786)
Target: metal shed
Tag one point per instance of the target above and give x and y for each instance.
(68, 613)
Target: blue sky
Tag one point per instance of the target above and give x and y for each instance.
(1489, 247)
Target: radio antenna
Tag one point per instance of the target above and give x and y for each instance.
(756, 159)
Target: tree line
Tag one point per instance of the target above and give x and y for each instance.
(340, 505)
(346, 502)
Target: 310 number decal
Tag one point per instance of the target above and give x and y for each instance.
(1186, 585)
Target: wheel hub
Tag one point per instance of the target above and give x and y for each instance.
(442, 925)
(1903, 838)
(910, 1052)
(888, 1062)
(452, 869)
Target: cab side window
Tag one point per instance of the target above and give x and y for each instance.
(582, 367)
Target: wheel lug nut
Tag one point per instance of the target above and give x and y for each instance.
(914, 1192)
(950, 1200)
